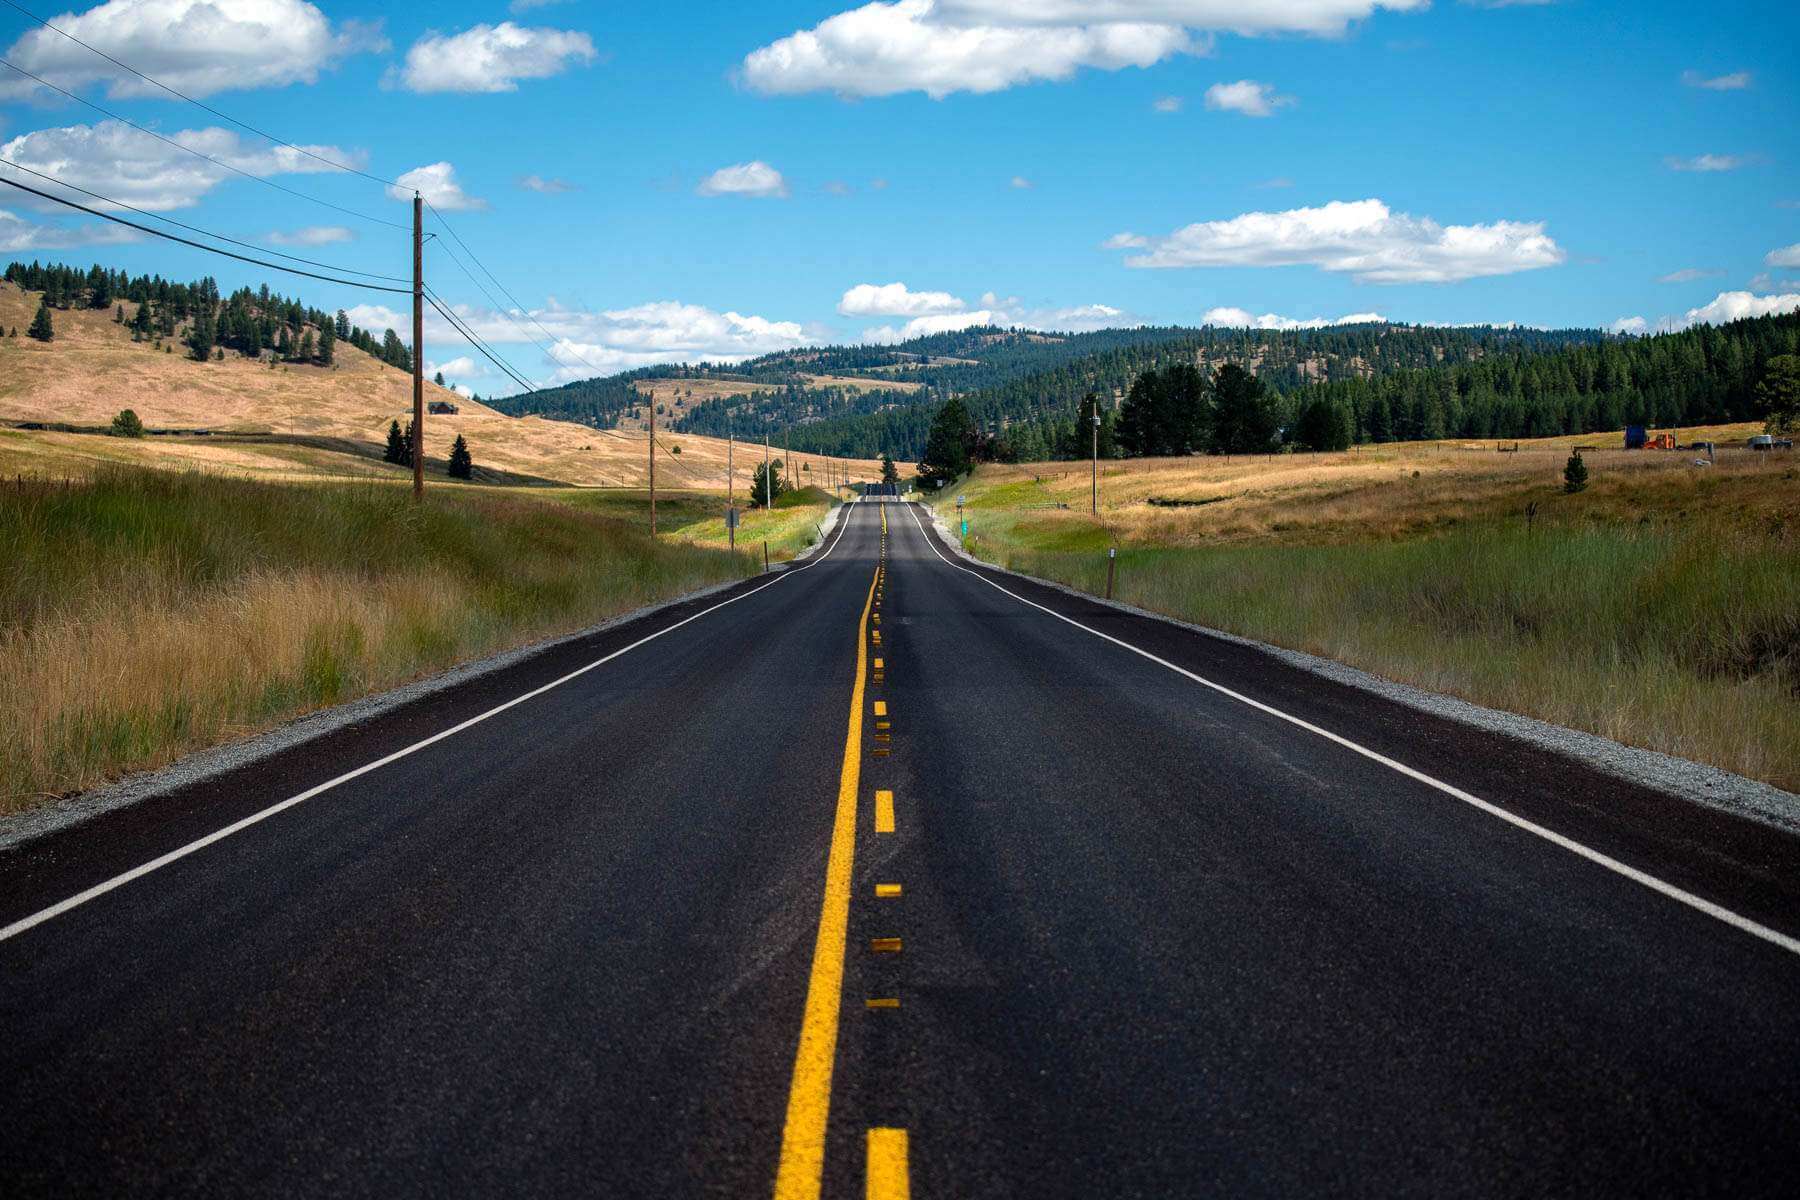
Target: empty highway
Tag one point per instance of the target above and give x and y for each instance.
(888, 875)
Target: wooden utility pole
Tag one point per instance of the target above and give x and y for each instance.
(730, 489)
(768, 481)
(418, 439)
(787, 455)
(1094, 492)
(652, 466)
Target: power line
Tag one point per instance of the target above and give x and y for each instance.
(106, 216)
(196, 103)
(469, 336)
(266, 182)
(195, 228)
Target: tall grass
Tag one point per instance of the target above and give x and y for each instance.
(145, 614)
(1684, 641)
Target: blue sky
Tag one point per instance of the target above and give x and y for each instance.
(718, 180)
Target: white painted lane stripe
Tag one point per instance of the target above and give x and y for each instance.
(155, 864)
(1699, 903)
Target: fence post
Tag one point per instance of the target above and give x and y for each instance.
(1112, 554)
(765, 557)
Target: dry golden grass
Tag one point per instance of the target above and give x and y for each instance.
(146, 614)
(93, 369)
(1660, 607)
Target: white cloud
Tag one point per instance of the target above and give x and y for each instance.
(17, 233)
(459, 366)
(437, 183)
(895, 300)
(195, 46)
(1246, 96)
(550, 187)
(591, 343)
(1787, 256)
(311, 235)
(1709, 162)
(754, 178)
(944, 46)
(1735, 306)
(1239, 318)
(1021, 183)
(489, 58)
(1008, 312)
(137, 169)
(1125, 241)
(1167, 104)
(1687, 275)
(1734, 82)
(1631, 325)
(1362, 238)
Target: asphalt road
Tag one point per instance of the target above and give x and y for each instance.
(1249, 934)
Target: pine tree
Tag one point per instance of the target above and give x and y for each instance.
(342, 326)
(41, 327)
(889, 472)
(127, 424)
(760, 483)
(462, 463)
(397, 451)
(327, 343)
(306, 347)
(1575, 474)
(1243, 419)
(950, 444)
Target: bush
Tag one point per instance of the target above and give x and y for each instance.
(1575, 474)
(127, 424)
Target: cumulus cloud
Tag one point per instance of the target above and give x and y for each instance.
(145, 172)
(436, 182)
(754, 178)
(1125, 241)
(995, 310)
(551, 187)
(1726, 306)
(1240, 318)
(1246, 96)
(199, 47)
(1362, 238)
(489, 58)
(311, 235)
(944, 46)
(588, 342)
(1735, 82)
(1709, 162)
(462, 365)
(896, 300)
(17, 233)
(1787, 256)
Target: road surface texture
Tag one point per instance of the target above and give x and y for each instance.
(887, 873)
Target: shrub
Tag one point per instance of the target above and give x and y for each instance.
(127, 424)
(1575, 474)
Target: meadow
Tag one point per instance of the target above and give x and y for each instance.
(144, 614)
(1660, 607)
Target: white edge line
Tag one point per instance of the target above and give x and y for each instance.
(100, 889)
(1681, 895)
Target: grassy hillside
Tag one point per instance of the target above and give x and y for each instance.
(288, 412)
(1661, 607)
(145, 614)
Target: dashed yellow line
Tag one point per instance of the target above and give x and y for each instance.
(887, 891)
(885, 945)
(882, 1002)
(889, 1178)
(802, 1163)
(884, 812)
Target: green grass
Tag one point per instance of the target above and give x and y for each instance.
(144, 614)
(1679, 636)
(698, 518)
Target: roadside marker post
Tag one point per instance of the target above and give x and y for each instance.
(1112, 556)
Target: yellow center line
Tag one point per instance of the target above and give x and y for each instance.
(881, 708)
(884, 812)
(888, 1177)
(886, 891)
(802, 1163)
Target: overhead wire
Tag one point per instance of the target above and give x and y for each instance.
(223, 116)
(154, 232)
(474, 340)
(217, 162)
(195, 228)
